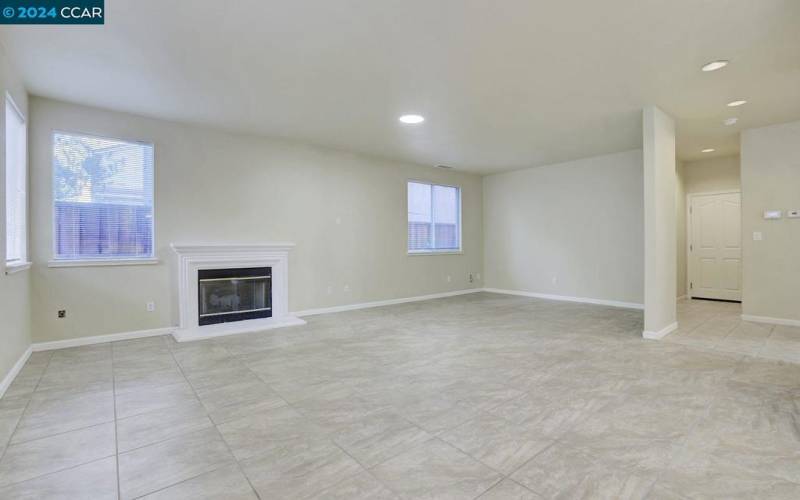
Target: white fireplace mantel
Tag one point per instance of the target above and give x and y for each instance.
(193, 258)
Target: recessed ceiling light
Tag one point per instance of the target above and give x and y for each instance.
(708, 150)
(733, 104)
(731, 121)
(412, 119)
(714, 65)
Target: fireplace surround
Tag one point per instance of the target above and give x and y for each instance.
(245, 289)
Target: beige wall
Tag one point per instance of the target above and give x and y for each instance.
(345, 212)
(680, 227)
(771, 180)
(572, 229)
(660, 256)
(715, 174)
(15, 315)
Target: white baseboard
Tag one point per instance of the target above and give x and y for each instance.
(12, 374)
(381, 303)
(661, 333)
(99, 339)
(113, 337)
(771, 321)
(565, 298)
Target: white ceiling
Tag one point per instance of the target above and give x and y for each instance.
(503, 84)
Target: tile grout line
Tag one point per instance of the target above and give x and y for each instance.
(764, 345)
(238, 463)
(502, 474)
(25, 409)
(684, 444)
(222, 465)
(505, 478)
(59, 471)
(214, 425)
(526, 462)
(61, 433)
(75, 466)
(363, 468)
(332, 441)
(116, 426)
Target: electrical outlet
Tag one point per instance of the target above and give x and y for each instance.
(346, 288)
(555, 280)
(62, 313)
(449, 278)
(151, 306)
(471, 279)
(330, 289)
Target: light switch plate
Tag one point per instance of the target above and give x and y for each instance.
(757, 236)
(773, 214)
(793, 214)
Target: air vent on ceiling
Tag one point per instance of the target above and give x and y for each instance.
(443, 166)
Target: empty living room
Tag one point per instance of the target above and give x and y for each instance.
(356, 250)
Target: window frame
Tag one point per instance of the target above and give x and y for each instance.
(435, 251)
(55, 261)
(23, 263)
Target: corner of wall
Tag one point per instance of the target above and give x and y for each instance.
(15, 289)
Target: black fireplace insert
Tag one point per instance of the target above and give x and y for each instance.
(226, 295)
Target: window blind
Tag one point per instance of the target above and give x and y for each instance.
(103, 198)
(16, 184)
(434, 217)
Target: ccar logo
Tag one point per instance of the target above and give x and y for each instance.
(52, 11)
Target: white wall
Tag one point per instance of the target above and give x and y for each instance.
(216, 187)
(771, 180)
(660, 255)
(578, 222)
(15, 288)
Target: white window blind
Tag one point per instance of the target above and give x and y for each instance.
(103, 198)
(16, 184)
(434, 218)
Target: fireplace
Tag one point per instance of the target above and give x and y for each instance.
(231, 289)
(225, 295)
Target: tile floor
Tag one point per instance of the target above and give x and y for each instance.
(480, 396)
(718, 326)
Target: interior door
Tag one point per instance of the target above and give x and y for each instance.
(715, 246)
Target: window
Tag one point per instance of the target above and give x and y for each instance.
(103, 198)
(434, 218)
(16, 186)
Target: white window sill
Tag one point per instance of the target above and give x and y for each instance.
(435, 252)
(16, 267)
(102, 262)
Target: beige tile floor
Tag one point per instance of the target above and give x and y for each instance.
(479, 396)
(718, 326)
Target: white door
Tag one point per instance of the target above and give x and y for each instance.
(715, 246)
